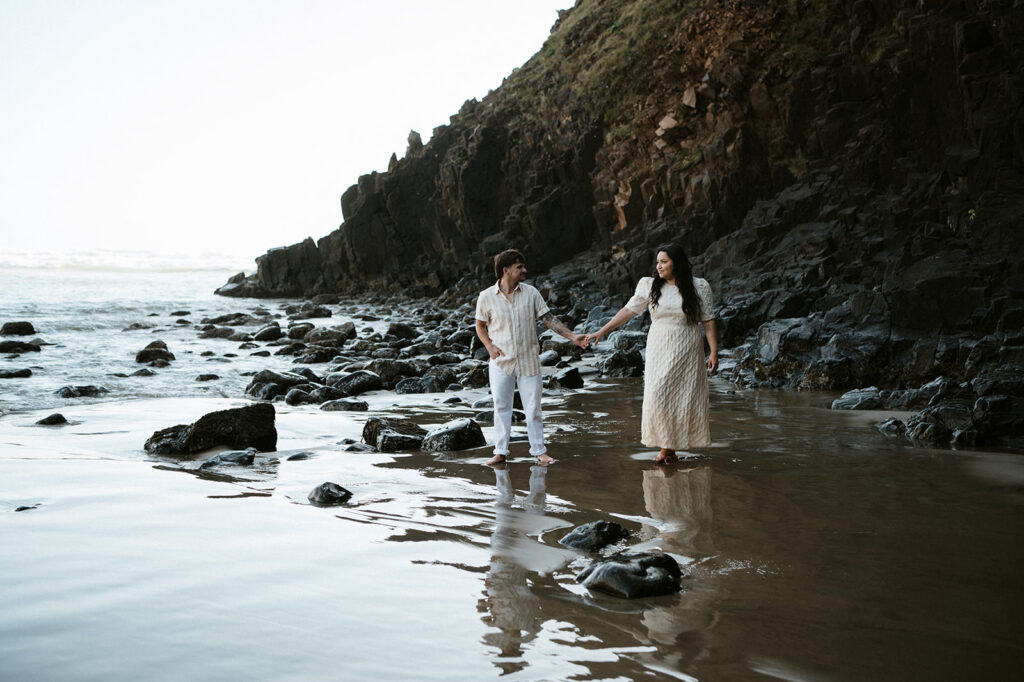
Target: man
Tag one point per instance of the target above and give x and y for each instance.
(506, 317)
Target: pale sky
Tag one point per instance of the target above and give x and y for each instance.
(227, 125)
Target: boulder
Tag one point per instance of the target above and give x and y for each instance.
(549, 358)
(17, 329)
(425, 384)
(328, 494)
(237, 428)
(623, 363)
(458, 434)
(15, 373)
(632, 576)
(55, 419)
(299, 330)
(331, 336)
(402, 330)
(595, 535)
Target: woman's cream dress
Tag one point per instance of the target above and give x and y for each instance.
(675, 413)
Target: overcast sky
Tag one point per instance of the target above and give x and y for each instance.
(227, 125)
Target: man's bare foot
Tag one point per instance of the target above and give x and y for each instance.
(497, 459)
(666, 456)
(544, 459)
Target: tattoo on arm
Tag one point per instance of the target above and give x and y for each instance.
(556, 325)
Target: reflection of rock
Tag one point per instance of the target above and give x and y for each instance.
(681, 501)
(633, 575)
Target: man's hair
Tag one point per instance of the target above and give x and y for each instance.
(506, 258)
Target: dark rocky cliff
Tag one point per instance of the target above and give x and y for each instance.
(849, 176)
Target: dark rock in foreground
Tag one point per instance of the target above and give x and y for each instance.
(593, 536)
(633, 576)
(458, 434)
(329, 494)
(15, 373)
(17, 329)
(251, 426)
(55, 419)
(346, 405)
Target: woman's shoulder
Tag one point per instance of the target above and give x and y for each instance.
(646, 281)
(700, 283)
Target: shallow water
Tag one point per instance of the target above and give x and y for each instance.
(815, 548)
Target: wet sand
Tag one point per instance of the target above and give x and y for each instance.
(816, 549)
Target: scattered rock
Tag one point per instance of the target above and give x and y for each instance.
(15, 373)
(859, 399)
(595, 535)
(55, 419)
(346, 405)
(243, 457)
(81, 391)
(632, 576)
(390, 434)
(19, 347)
(328, 495)
(157, 350)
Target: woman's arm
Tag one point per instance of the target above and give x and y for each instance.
(711, 334)
(620, 318)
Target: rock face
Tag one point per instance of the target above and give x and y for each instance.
(633, 576)
(848, 176)
(240, 428)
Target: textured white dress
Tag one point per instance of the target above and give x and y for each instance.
(675, 412)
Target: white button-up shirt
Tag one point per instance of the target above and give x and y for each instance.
(512, 325)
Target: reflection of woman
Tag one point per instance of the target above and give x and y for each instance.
(681, 502)
(675, 410)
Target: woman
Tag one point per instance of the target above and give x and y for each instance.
(675, 412)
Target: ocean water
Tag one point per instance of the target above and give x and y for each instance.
(814, 548)
(95, 311)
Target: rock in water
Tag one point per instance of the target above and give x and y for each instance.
(243, 457)
(17, 329)
(859, 399)
(329, 494)
(633, 575)
(251, 426)
(593, 536)
(458, 434)
(390, 434)
(15, 373)
(55, 419)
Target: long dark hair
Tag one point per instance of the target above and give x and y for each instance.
(684, 281)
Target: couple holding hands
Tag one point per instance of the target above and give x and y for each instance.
(675, 407)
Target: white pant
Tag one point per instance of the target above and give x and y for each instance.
(503, 388)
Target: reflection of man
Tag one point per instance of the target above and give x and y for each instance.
(514, 609)
(506, 316)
